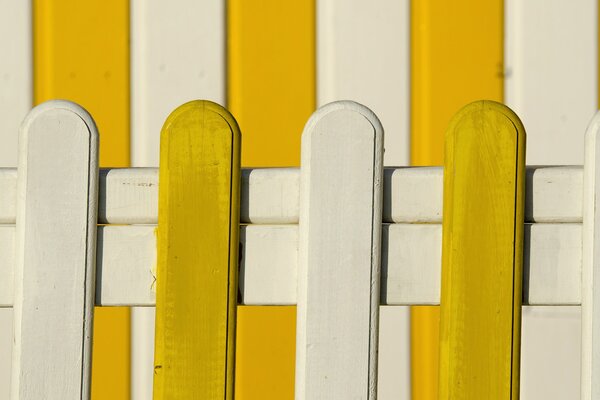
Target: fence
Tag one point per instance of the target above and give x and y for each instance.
(74, 236)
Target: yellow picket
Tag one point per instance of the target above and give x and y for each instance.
(81, 53)
(198, 240)
(272, 93)
(456, 58)
(482, 251)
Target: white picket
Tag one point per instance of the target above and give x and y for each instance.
(590, 271)
(341, 187)
(55, 253)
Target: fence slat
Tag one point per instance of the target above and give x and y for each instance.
(55, 256)
(339, 253)
(198, 230)
(482, 250)
(590, 273)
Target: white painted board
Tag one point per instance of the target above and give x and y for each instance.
(341, 187)
(55, 253)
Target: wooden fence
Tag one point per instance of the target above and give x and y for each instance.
(338, 237)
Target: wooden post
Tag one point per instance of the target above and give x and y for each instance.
(198, 229)
(56, 253)
(482, 251)
(590, 274)
(339, 253)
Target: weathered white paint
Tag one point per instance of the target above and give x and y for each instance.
(341, 187)
(270, 195)
(55, 253)
(363, 54)
(590, 274)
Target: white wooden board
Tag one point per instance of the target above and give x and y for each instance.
(339, 254)
(55, 253)
(363, 54)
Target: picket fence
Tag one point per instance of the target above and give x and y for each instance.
(338, 237)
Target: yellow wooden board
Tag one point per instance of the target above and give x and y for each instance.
(456, 58)
(482, 254)
(272, 93)
(81, 53)
(198, 240)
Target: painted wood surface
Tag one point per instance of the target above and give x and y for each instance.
(339, 263)
(55, 253)
(412, 195)
(81, 53)
(15, 102)
(551, 76)
(271, 91)
(590, 274)
(177, 55)
(198, 230)
(456, 58)
(482, 252)
(350, 35)
(411, 265)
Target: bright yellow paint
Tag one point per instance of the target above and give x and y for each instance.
(272, 93)
(456, 58)
(482, 254)
(198, 240)
(81, 53)
(271, 76)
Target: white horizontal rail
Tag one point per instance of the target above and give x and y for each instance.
(271, 195)
(411, 264)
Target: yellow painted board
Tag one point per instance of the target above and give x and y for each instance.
(198, 240)
(81, 53)
(271, 76)
(272, 92)
(482, 254)
(456, 58)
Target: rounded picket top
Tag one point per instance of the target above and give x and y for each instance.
(490, 115)
(591, 136)
(347, 107)
(194, 113)
(57, 110)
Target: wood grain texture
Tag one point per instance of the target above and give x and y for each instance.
(456, 58)
(590, 274)
(55, 253)
(339, 262)
(198, 230)
(81, 53)
(482, 252)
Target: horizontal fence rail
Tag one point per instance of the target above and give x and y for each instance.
(411, 241)
(271, 195)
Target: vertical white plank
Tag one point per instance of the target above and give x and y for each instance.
(551, 69)
(551, 72)
(363, 54)
(55, 253)
(177, 55)
(590, 273)
(341, 187)
(15, 101)
(15, 75)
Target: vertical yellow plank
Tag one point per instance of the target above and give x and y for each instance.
(482, 254)
(272, 93)
(198, 240)
(456, 58)
(81, 53)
